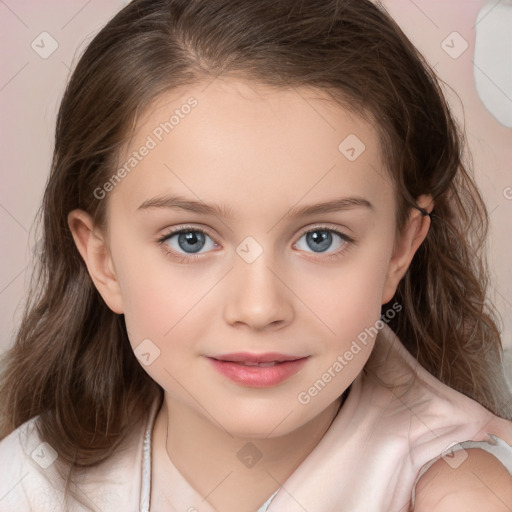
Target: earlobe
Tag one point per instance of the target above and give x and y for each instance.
(407, 243)
(92, 246)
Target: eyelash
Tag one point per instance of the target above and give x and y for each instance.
(194, 257)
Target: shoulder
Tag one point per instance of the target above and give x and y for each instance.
(15, 447)
(476, 481)
(25, 474)
(33, 476)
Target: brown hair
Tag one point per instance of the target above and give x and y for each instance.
(72, 363)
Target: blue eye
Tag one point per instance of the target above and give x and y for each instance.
(188, 240)
(185, 244)
(320, 239)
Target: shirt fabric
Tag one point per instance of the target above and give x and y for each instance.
(395, 423)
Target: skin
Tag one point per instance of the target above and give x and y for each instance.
(260, 152)
(479, 483)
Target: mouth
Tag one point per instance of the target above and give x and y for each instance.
(261, 365)
(268, 358)
(258, 370)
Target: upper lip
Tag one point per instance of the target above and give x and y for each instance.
(246, 357)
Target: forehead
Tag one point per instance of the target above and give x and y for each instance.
(249, 145)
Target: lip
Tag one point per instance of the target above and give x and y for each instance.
(232, 366)
(247, 357)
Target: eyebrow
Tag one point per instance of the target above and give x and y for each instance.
(191, 205)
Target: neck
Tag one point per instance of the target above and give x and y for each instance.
(228, 469)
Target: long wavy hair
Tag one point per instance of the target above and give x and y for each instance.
(72, 364)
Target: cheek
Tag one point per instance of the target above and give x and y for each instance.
(347, 296)
(161, 318)
(157, 302)
(159, 295)
(351, 308)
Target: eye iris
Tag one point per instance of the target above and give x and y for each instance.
(193, 238)
(321, 242)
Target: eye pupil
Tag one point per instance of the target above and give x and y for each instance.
(193, 241)
(193, 238)
(320, 242)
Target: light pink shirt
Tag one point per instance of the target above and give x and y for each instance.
(396, 421)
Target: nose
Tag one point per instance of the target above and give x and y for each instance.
(257, 296)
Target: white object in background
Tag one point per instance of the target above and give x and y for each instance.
(493, 59)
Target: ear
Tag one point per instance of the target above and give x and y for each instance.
(92, 245)
(406, 245)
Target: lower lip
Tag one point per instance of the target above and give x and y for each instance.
(258, 376)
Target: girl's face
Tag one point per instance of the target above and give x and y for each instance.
(247, 172)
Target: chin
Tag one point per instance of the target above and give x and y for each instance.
(263, 425)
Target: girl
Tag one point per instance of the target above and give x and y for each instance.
(261, 285)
